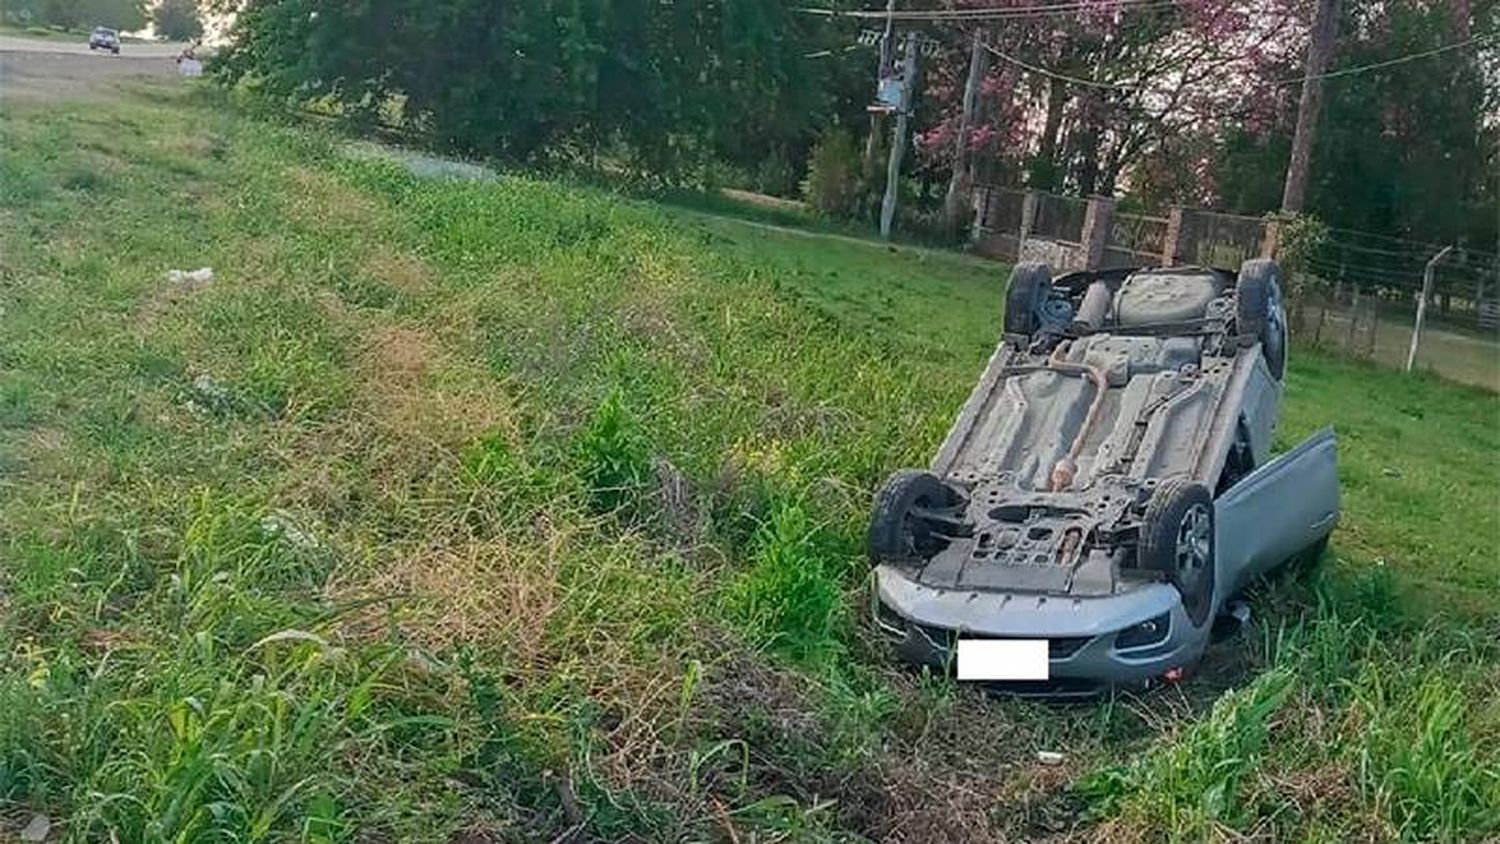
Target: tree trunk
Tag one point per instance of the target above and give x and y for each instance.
(1319, 51)
(1109, 173)
(1044, 167)
(1088, 163)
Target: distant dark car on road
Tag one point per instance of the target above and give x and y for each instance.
(104, 38)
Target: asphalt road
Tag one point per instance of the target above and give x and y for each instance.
(32, 69)
(128, 50)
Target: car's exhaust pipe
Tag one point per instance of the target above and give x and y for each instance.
(1064, 471)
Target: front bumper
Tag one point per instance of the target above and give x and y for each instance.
(1087, 653)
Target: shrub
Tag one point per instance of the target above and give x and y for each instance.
(790, 597)
(776, 175)
(615, 455)
(833, 174)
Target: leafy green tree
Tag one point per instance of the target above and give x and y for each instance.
(1405, 150)
(177, 20)
(79, 14)
(666, 84)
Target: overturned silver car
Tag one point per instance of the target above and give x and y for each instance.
(1107, 487)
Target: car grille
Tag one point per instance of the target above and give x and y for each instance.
(1057, 648)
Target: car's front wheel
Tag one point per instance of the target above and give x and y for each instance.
(910, 510)
(1177, 539)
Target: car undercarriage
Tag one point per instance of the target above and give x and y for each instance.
(1090, 461)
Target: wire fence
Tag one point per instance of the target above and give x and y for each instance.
(1362, 324)
(1465, 281)
(1355, 293)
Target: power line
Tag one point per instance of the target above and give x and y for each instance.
(1063, 77)
(1350, 71)
(1425, 246)
(990, 14)
(1411, 57)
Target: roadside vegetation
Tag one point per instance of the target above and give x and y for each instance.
(465, 511)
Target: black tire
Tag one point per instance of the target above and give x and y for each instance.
(1257, 309)
(897, 535)
(1030, 285)
(1177, 539)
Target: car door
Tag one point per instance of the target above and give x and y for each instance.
(1277, 510)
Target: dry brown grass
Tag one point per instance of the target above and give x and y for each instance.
(425, 397)
(321, 201)
(496, 592)
(401, 270)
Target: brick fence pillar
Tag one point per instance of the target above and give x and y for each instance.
(1175, 246)
(1270, 241)
(1096, 223)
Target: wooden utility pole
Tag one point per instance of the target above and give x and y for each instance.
(872, 142)
(961, 182)
(1319, 51)
(898, 139)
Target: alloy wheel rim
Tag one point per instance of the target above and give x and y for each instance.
(1194, 541)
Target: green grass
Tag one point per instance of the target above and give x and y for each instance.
(483, 511)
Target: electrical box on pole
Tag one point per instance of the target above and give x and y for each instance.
(872, 143)
(908, 85)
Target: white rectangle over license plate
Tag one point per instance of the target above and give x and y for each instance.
(1002, 659)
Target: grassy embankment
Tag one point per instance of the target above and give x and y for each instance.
(481, 511)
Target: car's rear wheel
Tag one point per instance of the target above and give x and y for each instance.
(909, 511)
(1029, 289)
(1177, 539)
(1258, 311)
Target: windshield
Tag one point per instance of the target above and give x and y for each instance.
(102, 31)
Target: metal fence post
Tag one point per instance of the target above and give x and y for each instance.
(1416, 329)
